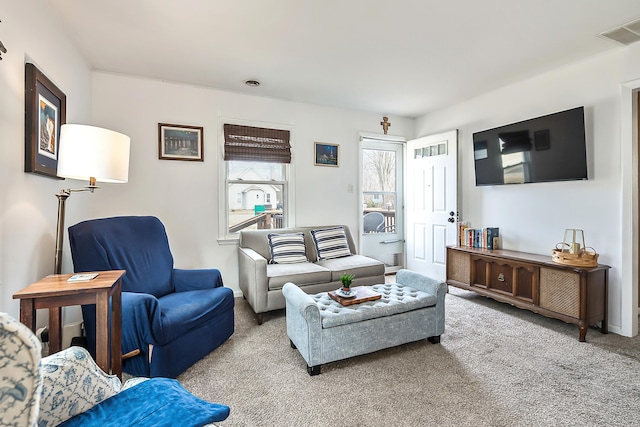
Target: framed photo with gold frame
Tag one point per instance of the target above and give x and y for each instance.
(327, 154)
(180, 142)
(45, 113)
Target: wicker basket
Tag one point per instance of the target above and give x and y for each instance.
(585, 258)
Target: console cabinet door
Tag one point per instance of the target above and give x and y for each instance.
(501, 277)
(514, 279)
(527, 283)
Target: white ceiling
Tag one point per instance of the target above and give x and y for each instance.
(400, 57)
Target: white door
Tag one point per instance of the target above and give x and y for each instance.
(431, 202)
(382, 222)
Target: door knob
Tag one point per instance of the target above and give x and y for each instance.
(450, 219)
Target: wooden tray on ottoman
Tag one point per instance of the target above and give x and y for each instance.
(363, 294)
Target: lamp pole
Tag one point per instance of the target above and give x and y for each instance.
(62, 198)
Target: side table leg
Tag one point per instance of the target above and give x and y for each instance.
(116, 330)
(102, 331)
(28, 313)
(55, 329)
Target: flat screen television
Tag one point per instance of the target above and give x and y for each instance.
(543, 149)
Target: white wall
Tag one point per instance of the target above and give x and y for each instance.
(533, 217)
(28, 204)
(185, 195)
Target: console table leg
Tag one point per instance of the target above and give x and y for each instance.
(583, 332)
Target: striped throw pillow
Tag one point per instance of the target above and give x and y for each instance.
(287, 248)
(331, 243)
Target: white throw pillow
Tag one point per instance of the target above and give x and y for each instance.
(331, 243)
(287, 248)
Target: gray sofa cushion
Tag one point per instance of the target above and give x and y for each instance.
(396, 298)
(357, 265)
(302, 273)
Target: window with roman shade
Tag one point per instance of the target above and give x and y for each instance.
(256, 162)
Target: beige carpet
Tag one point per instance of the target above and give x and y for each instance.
(495, 366)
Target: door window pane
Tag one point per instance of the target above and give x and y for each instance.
(379, 190)
(379, 170)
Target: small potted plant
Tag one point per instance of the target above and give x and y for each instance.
(346, 280)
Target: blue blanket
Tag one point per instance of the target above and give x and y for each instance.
(155, 402)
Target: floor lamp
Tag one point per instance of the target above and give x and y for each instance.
(88, 153)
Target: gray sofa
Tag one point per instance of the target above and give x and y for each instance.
(261, 282)
(324, 331)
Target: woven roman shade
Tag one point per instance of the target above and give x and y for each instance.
(256, 144)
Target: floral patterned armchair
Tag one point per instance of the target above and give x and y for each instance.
(68, 388)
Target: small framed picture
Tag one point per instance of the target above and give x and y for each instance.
(327, 154)
(180, 142)
(45, 113)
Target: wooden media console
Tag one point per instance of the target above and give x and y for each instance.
(533, 282)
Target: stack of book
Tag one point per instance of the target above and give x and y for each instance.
(485, 238)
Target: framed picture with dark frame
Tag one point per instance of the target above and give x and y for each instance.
(45, 113)
(327, 154)
(180, 142)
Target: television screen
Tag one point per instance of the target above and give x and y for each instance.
(547, 148)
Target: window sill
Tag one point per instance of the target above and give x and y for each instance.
(227, 241)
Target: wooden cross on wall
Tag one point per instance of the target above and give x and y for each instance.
(385, 124)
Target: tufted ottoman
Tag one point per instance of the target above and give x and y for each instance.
(324, 331)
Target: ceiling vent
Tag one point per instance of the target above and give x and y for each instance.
(626, 34)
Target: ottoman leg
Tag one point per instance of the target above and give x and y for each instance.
(313, 370)
(293, 346)
(434, 340)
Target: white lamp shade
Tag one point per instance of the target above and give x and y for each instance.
(89, 151)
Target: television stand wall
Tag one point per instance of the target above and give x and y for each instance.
(533, 282)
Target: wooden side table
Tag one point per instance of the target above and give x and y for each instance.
(54, 292)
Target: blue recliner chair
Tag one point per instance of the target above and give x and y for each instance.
(182, 314)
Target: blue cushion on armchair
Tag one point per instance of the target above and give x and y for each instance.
(182, 311)
(156, 402)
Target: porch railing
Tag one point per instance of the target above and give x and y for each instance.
(264, 220)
